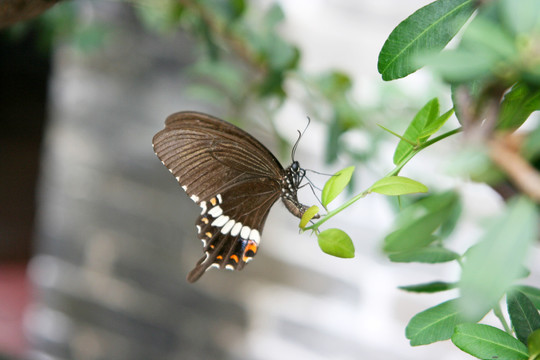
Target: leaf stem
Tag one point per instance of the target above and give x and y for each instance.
(394, 172)
(498, 313)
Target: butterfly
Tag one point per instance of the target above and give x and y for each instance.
(233, 178)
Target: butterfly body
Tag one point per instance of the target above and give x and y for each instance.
(233, 178)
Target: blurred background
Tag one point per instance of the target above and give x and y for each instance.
(96, 237)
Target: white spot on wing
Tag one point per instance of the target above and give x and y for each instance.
(216, 211)
(220, 221)
(214, 265)
(183, 186)
(228, 226)
(236, 229)
(219, 198)
(229, 267)
(195, 198)
(203, 207)
(255, 236)
(198, 228)
(245, 232)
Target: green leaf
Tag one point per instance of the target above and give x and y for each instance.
(434, 324)
(429, 255)
(398, 185)
(429, 29)
(335, 185)
(336, 242)
(532, 293)
(488, 342)
(418, 222)
(427, 114)
(434, 125)
(521, 16)
(534, 345)
(431, 287)
(308, 215)
(518, 104)
(496, 261)
(524, 316)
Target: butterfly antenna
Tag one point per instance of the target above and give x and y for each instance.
(319, 173)
(300, 134)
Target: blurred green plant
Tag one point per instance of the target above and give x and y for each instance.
(492, 73)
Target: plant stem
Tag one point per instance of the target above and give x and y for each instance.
(394, 172)
(498, 313)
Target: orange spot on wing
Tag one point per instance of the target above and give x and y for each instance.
(250, 250)
(209, 234)
(204, 220)
(234, 257)
(219, 257)
(213, 201)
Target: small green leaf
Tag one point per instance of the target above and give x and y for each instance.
(398, 185)
(308, 215)
(426, 115)
(532, 293)
(429, 29)
(429, 255)
(434, 125)
(335, 185)
(524, 316)
(434, 324)
(488, 342)
(431, 287)
(337, 243)
(534, 345)
(496, 261)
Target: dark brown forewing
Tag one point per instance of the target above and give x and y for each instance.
(208, 155)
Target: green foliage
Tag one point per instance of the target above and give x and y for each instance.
(308, 215)
(488, 342)
(337, 243)
(398, 185)
(336, 184)
(431, 287)
(427, 30)
(493, 76)
(417, 224)
(493, 265)
(434, 324)
(523, 314)
(426, 122)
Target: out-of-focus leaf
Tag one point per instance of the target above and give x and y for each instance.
(419, 221)
(534, 345)
(517, 105)
(432, 287)
(496, 261)
(521, 16)
(428, 255)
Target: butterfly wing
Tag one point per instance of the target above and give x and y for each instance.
(230, 175)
